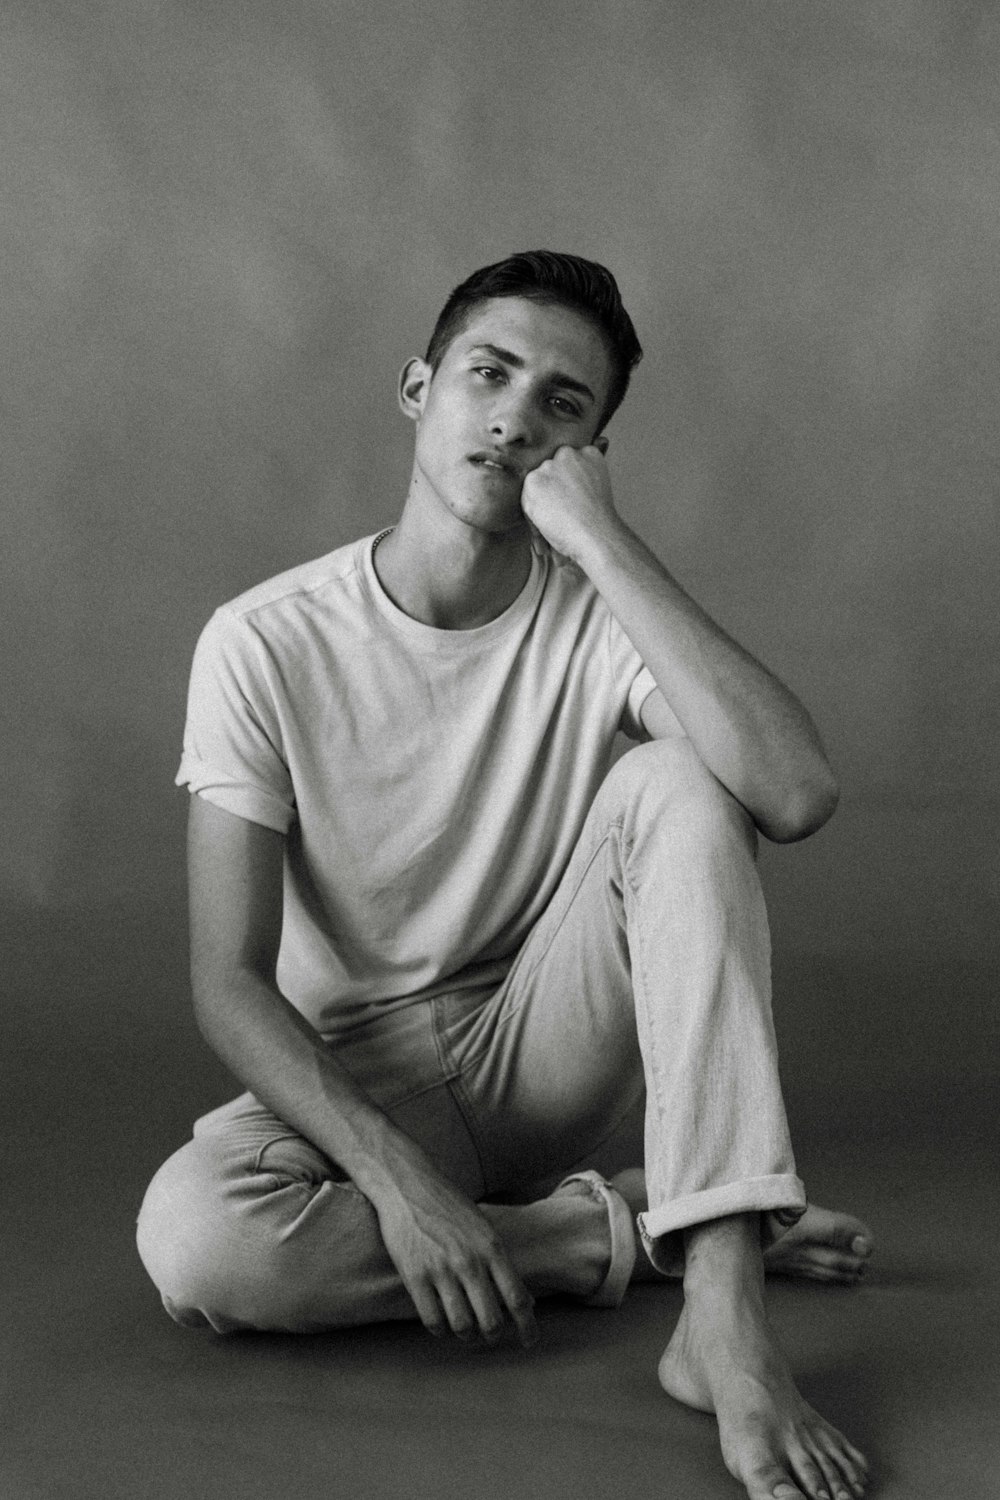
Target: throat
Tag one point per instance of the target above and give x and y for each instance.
(452, 587)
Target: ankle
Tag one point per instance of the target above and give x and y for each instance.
(724, 1263)
(581, 1244)
(559, 1244)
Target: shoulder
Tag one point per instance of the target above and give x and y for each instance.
(286, 619)
(288, 593)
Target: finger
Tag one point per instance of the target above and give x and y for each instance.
(428, 1306)
(486, 1307)
(516, 1299)
(457, 1310)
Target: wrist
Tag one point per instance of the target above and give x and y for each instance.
(382, 1170)
(602, 547)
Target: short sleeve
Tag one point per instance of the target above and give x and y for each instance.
(632, 678)
(232, 738)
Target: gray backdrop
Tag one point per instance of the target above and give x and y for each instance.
(225, 226)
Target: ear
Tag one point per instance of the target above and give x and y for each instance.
(414, 383)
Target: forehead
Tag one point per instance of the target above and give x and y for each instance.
(549, 338)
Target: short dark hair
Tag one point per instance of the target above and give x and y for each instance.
(548, 276)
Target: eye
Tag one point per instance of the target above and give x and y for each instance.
(489, 372)
(567, 408)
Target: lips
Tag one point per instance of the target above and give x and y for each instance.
(494, 462)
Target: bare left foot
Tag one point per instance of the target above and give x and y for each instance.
(823, 1246)
(724, 1358)
(772, 1440)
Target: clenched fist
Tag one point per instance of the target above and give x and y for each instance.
(568, 500)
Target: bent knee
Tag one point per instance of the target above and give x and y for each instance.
(204, 1247)
(669, 777)
(240, 1249)
(177, 1234)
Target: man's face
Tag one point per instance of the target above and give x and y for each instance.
(521, 380)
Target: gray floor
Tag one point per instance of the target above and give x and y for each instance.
(104, 1397)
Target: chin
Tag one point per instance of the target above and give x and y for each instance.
(495, 519)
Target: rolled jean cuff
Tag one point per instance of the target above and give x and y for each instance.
(780, 1200)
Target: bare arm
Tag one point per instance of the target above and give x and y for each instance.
(447, 1253)
(748, 728)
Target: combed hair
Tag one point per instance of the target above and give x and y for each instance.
(548, 276)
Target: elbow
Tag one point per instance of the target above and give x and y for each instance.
(805, 810)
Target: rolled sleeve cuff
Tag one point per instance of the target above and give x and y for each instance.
(232, 795)
(780, 1200)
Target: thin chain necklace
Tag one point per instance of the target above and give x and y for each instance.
(381, 538)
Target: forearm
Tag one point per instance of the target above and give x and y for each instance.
(749, 729)
(284, 1062)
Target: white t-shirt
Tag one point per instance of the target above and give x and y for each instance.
(431, 783)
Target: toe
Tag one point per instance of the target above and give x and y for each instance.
(823, 1264)
(849, 1461)
(851, 1234)
(810, 1475)
(774, 1483)
(832, 1480)
(838, 1263)
(842, 1232)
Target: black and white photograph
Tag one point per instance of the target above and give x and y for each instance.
(501, 566)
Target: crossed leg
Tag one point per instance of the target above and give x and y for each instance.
(648, 969)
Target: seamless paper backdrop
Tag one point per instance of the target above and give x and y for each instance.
(227, 224)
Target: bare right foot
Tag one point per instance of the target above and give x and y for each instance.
(724, 1358)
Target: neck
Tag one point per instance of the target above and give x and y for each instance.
(451, 575)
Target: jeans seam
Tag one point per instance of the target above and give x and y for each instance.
(513, 1010)
(640, 987)
(452, 1076)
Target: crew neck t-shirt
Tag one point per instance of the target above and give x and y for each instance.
(430, 783)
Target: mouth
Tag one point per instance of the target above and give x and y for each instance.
(493, 461)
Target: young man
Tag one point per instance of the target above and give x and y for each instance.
(450, 954)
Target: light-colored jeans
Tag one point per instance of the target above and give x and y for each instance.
(645, 986)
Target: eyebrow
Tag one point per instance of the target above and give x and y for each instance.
(508, 357)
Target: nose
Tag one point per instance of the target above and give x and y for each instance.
(512, 421)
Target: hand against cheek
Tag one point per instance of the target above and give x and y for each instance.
(568, 500)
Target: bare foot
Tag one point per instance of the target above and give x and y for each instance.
(824, 1246)
(726, 1361)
